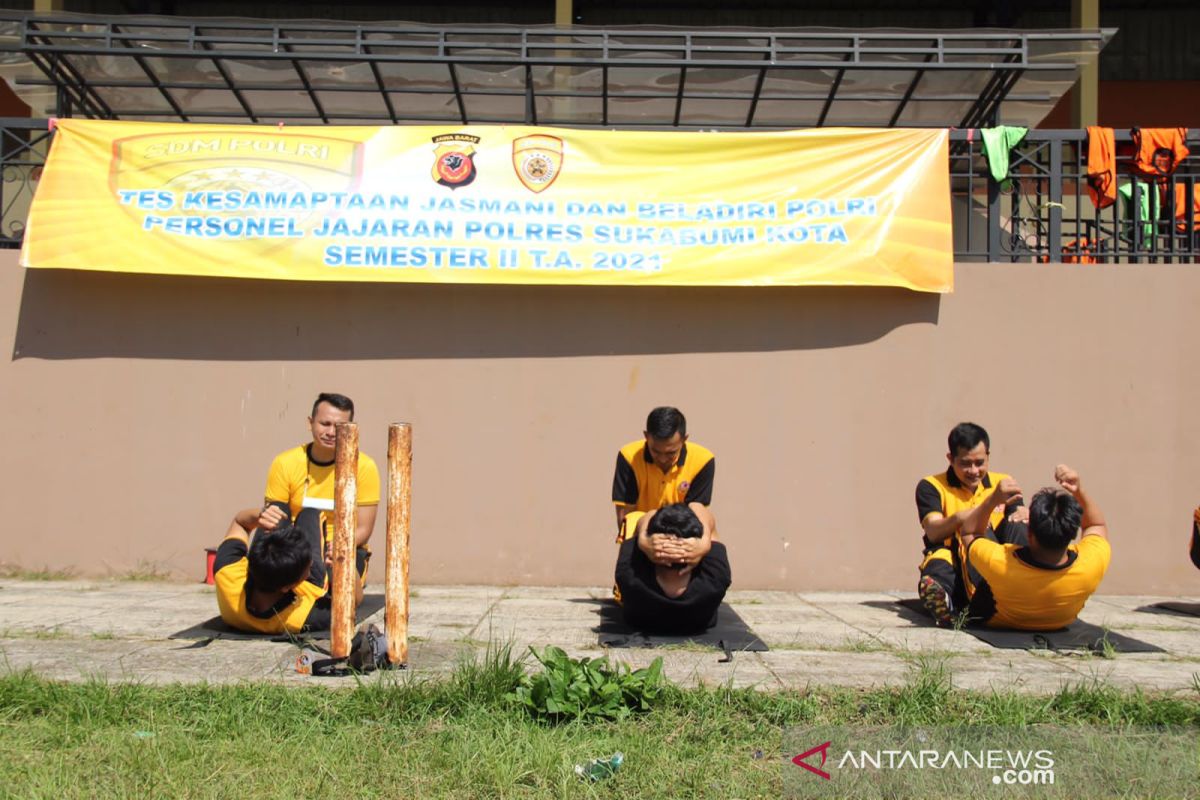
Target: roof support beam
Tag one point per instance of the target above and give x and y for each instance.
(141, 62)
(223, 71)
(304, 81)
(1085, 110)
(564, 13)
(833, 89)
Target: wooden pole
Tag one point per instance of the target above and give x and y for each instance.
(345, 517)
(399, 503)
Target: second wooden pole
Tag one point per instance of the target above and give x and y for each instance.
(399, 502)
(345, 514)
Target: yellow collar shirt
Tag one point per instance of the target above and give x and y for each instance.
(943, 493)
(638, 482)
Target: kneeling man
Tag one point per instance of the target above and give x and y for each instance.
(664, 593)
(1043, 585)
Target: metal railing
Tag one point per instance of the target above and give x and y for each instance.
(1044, 213)
(23, 147)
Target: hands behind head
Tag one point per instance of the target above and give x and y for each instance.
(1020, 515)
(671, 551)
(1067, 478)
(271, 517)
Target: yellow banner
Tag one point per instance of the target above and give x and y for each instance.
(497, 204)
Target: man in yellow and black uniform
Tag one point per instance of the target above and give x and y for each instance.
(1044, 584)
(276, 584)
(302, 478)
(944, 501)
(661, 469)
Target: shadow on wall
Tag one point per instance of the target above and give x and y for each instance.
(67, 314)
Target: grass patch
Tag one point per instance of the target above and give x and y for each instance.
(849, 646)
(687, 646)
(146, 572)
(34, 633)
(1105, 648)
(18, 573)
(396, 734)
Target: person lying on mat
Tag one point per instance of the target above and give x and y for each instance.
(666, 593)
(944, 501)
(275, 581)
(1043, 585)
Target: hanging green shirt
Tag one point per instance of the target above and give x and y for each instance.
(997, 142)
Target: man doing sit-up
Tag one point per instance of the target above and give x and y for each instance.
(274, 581)
(670, 595)
(1044, 584)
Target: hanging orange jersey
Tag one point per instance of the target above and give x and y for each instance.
(1102, 166)
(1181, 206)
(1159, 151)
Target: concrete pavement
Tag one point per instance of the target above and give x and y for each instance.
(117, 631)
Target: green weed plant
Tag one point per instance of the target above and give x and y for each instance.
(587, 688)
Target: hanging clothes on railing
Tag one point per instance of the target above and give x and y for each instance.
(1102, 166)
(1149, 203)
(997, 142)
(1181, 207)
(1145, 190)
(1158, 151)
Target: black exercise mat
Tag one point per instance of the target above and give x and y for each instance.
(1079, 635)
(216, 628)
(1174, 607)
(730, 634)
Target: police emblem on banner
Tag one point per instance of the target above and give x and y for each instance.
(219, 181)
(538, 160)
(454, 159)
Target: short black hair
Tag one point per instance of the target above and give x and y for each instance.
(279, 558)
(1054, 518)
(338, 401)
(676, 519)
(666, 421)
(966, 436)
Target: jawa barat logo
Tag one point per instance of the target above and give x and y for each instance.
(454, 159)
(538, 160)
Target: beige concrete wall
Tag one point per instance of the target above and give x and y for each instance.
(140, 411)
